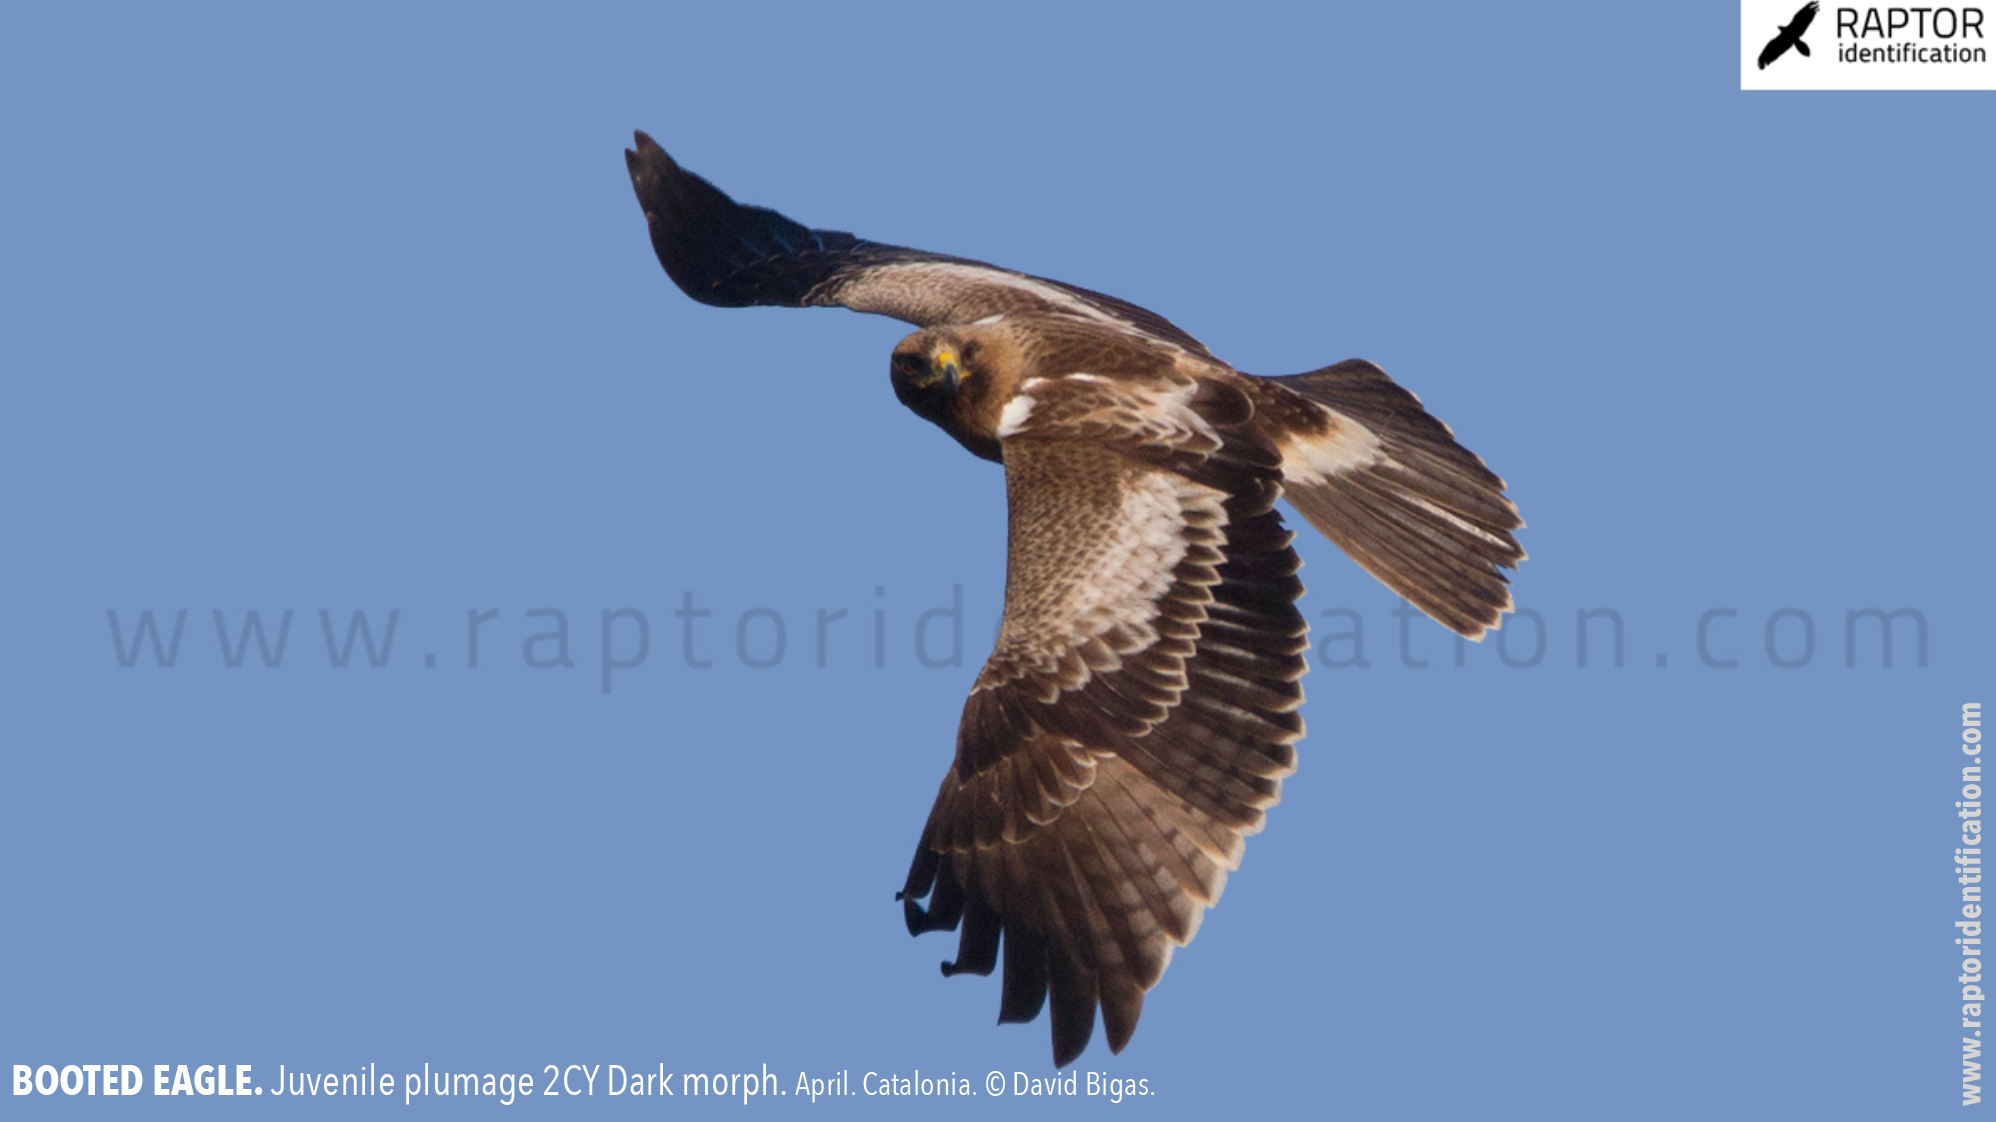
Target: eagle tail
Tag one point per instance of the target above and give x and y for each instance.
(1389, 485)
(1803, 47)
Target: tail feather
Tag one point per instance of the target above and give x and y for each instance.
(1386, 481)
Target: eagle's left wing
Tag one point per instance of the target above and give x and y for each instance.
(724, 253)
(1138, 712)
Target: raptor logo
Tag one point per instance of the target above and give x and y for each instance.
(1790, 36)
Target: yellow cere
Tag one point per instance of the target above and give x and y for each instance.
(945, 357)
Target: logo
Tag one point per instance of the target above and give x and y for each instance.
(1861, 45)
(1791, 36)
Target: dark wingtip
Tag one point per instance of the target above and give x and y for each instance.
(651, 169)
(718, 251)
(646, 154)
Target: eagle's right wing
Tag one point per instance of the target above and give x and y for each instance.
(724, 253)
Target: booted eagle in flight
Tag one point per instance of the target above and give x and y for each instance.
(1138, 713)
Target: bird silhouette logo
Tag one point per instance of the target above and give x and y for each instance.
(1790, 36)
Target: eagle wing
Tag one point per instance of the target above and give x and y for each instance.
(724, 253)
(1138, 712)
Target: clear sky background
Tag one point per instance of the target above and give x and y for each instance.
(354, 309)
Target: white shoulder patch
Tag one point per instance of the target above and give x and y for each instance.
(1014, 416)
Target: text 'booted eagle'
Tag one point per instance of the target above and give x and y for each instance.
(1138, 712)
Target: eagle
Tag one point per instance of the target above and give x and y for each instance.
(1790, 36)
(1138, 712)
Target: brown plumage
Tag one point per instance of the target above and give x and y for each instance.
(1139, 710)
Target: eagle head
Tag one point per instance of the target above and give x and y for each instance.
(959, 378)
